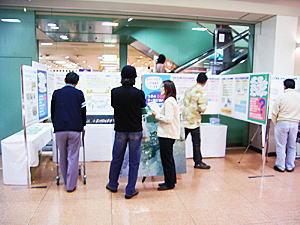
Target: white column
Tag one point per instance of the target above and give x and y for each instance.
(275, 45)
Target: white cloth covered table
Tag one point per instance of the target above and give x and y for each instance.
(14, 156)
(213, 141)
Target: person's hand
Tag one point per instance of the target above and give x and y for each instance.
(153, 113)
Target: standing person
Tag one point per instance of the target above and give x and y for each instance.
(168, 131)
(68, 114)
(127, 102)
(160, 66)
(195, 103)
(286, 117)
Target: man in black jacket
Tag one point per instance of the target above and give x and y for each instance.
(127, 102)
(68, 114)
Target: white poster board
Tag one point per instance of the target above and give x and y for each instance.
(30, 95)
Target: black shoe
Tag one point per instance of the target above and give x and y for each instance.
(290, 170)
(132, 195)
(161, 184)
(202, 165)
(71, 190)
(165, 187)
(111, 189)
(277, 169)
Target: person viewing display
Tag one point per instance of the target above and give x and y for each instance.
(168, 131)
(286, 117)
(195, 103)
(68, 114)
(127, 102)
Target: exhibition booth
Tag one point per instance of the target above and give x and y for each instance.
(241, 96)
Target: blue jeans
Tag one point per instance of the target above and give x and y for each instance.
(285, 136)
(134, 139)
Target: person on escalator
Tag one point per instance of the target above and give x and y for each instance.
(160, 66)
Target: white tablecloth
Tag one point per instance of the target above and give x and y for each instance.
(14, 156)
(99, 140)
(213, 141)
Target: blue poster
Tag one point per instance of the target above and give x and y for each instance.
(151, 87)
(42, 94)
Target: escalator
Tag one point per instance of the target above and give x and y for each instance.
(220, 59)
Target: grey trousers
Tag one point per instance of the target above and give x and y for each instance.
(68, 143)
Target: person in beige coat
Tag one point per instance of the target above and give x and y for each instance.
(168, 131)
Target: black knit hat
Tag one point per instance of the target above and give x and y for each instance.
(128, 72)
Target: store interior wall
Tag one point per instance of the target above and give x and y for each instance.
(297, 51)
(18, 46)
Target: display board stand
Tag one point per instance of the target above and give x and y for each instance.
(25, 134)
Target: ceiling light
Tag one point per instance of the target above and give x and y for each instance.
(109, 57)
(60, 62)
(67, 57)
(130, 19)
(52, 25)
(11, 20)
(199, 28)
(25, 10)
(110, 24)
(46, 43)
(109, 45)
(64, 37)
(54, 28)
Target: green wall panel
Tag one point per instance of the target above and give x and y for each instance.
(17, 46)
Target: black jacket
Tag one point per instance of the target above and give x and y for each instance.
(128, 103)
(68, 110)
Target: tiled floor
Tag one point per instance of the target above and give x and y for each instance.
(222, 195)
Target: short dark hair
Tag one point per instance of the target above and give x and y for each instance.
(289, 83)
(170, 89)
(128, 81)
(202, 78)
(72, 78)
(161, 58)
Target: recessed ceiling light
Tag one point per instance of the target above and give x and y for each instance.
(199, 28)
(64, 37)
(25, 10)
(52, 25)
(60, 62)
(11, 20)
(109, 45)
(110, 24)
(46, 43)
(67, 57)
(130, 19)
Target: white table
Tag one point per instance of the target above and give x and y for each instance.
(14, 156)
(99, 140)
(213, 141)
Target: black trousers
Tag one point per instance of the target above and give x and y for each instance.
(196, 143)
(167, 160)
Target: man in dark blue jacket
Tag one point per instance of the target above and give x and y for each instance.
(127, 102)
(68, 114)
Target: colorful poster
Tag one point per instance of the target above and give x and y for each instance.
(183, 82)
(258, 97)
(212, 89)
(151, 86)
(227, 95)
(42, 94)
(240, 103)
(30, 91)
(98, 92)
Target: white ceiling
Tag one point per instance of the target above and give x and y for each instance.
(237, 11)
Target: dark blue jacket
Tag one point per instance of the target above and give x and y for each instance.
(68, 109)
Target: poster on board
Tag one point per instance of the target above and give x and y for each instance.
(258, 98)
(42, 94)
(30, 94)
